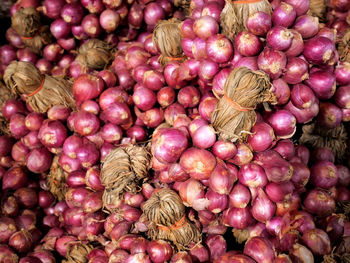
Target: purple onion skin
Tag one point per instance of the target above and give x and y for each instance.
(318, 241)
(260, 249)
(283, 15)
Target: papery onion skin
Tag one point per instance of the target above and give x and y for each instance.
(259, 23)
(319, 202)
(219, 49)
(318, 241)
(260, 249)
(283, 15)
(248, 44)
(273, 62)
(252, 175)
(239, 196)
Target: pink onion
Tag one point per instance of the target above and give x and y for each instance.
(88, 154)
(297, 45)
(221, 180)
(262, 136)
(72, 13)
(300, 6)
(306, 25)
(90, 25)
(159, 251)
(52, 8)
(324, 174)
(244, 155)
(285, 148)
(252, 175)
(188, 96)
(283, 15)
(248, 44)
(87, 87)
(198, 163)
(323, 83)
(192, 194)
(330, 115)
(319, 50)
(318, 241)
(239, 196)
(217, 246)
(342, 97)
(205, 27)
(17, 125)
(224, 150)
(263, 208)
(303, 115)
(31, 140)
(39, 160)
(86, 123)
(279, 38)
(296, 71)
(204, 137)
(302, 96)
(260, 249)
(239, 218)
(219, 49)
(109, 20)
(279, 192)
(283, 123)
(341, 72)
(11, 107)
(153, 13)
(319, 202)
(301, 254)
(259, 23)
(52, 133)
(273, 62)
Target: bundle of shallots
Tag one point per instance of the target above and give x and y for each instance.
(318, 8)
(167, 38)
(343, 47)
(123, 170)
(167, 219)
(317, 136)
(234, 115)
(56, 180)
(26, 22)
(77, 252)
(5, 95)
(40, 91)
(235, 13)
(95, 54)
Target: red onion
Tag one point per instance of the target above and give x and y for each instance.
(302, 96)
(207, 70)
(21, 241)
(153, 13)
(252, 175)
(60, 29)
(58, 112)
(88, 154)
(346, 115)
(144, 98)
(244, 155)
(306, 25)
(10, 206)
(109, 20)
(248, 62)
(324, 174)
(199, 253)
(118, 113)
(76, 179)
(135, 16)
(90, 25)
(283, 15)
(303, 115)
(86, 123)
(224, 150)
(19, 152)
(13, 38)
(299, 253)
(8, 227)
(263, 208)
(72, 13)
(138, 245)
(111, 133)
(301, 7)
(62, 244)
(44, 255)
(205, 27)
(259, 23)
(341, 72)
(221, 180)
(262, 136)
(138, 258)
(112, 95)
(53, 8)
(219, 48)
(67, 44)
(87, 87)
(45, 199)
(279, 192)
(166, 96)
(296, 71)
(26, 197)
(93, 202)
(239, 196)
(319, 202)
(6, 144)
(31, 140)
(322, 83)
(330, 115)
(52, 133)
(217, 246)
(260, 249)
(219, 81)
(8, 54)
(53, 52)
(285, 148)
(342, 98)
(318, 241)
(159, 251)
(198, 163)
(273, 62)
(248, 44)
(297, 45)
(14, 178)
(39, 160)
(217, 202)
(319, 50)
(69, 164)
(71, 144)
(26, 55)
(17, 125)
(343, 175)
(283, 123)
(192, 194)
(12, 107)
(204, 137)
(279, 38)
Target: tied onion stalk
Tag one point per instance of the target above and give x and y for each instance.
(122, 171)
(317, 136)
(343, 47)
(185, 5)
(56, 180)
(318, 8)
(235, 14)
(95, 54)
(5, 95)
(41, 91)
(78, 252)
(26, 22)
(167, 38)
(234, 115)
(167, 220)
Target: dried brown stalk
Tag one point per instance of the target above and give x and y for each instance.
(78, 252)
(56, 180)
(234, 115)
(37, 42)
(5, 95)
(42, 91)
(318, 8)
(315, 136)
(185, 5)
(167, 37)
(235, 13)
(123, 170)
(344, 47)
(167, 219)
(95, 54)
